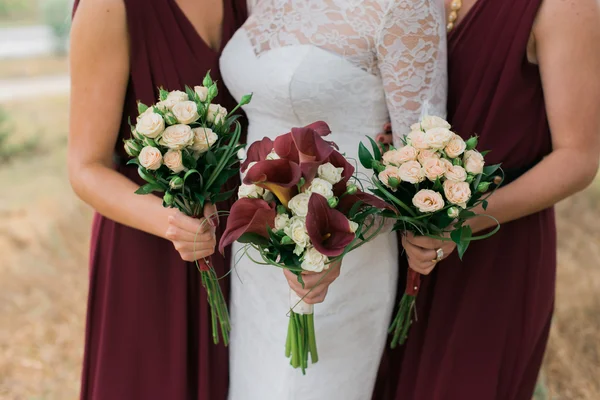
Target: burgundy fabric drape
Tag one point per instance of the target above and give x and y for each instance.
(148, 323)
(483, 323)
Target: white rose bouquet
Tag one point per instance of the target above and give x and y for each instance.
(298, 209)
(433, 182)
(186, 148)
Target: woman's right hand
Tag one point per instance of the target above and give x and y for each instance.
(193, 238)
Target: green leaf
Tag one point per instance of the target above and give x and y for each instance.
(485, 153)
(465, 240)
(467, 214)
(162, 94)
(142, 172)
(210, 158)
(191, 94)
(364, 156)
(484, 204)
(200, 198)
(141, 107)
(375, 146)
(490, 169)
(133, 161)
(456, 234)
(223, 196)
(188, 160)
(149, 188)
(253, 238)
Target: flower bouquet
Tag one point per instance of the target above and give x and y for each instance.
(298, 209)
(434, 181)
(186, 148)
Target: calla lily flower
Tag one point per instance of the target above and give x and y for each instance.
(329, 230)
(248, 216)
(281, 177)
(347, 202)
(258, 151)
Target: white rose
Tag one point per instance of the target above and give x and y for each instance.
(455, 147)
(216, 114)
(456, 173)
(149, 110)
(447, 163)
(273, 156)
(150, 158)
(417, 140)
(177, 96)
(204, 138)
(250, 191)
(202, 92)
(389, 172)
(299, 204)
(430, 122)
(474, 162)
(174, 161)
(412, 172)
(434, 168)
(457, 193)
(353, 226)
(314, 261)
(150, 125)
(438, 138)
(281, 221)
(322, 187)
(428, 201)
(296, 230)
(186, 112)
(268, 196)
(425, 154)
(177, 137)
(330, 173)
(166, 105)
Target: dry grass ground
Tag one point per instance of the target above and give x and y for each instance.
(43, 274)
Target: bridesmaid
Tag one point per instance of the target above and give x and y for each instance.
(523, 74)
(148, 323)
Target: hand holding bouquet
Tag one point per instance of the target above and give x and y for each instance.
(186, 148)
(433, 182)
(298, 209)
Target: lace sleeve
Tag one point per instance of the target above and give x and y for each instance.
(411, 56)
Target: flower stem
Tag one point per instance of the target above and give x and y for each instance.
(312, 340)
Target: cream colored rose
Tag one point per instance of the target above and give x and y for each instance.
(428, 201)
(389, 172)
(425, 154)
(216, 114)
(150, 158)
(412, 172)
(272, 156)
(457, 193)
(417, 140)
(322, 187)
(177, 137)
(455, 147)
(438, 138)
(177, 96)
(250, 191)
(434, 168)
(314, 261)
(430, 122)
(447, 163)
(149, 110)
(150, 125)
(201, 92)
(474, 162)
(296, 230)
(353, 226)
(174, 160)
(186, 112)
(330, 173)
(204, 139)
(456, 173)
(299, 204)
(281, 221)
(400, 156)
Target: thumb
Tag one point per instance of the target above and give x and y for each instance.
(211, 214)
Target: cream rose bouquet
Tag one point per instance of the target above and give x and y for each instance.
(433, 182)
(186, 148)
(300, 211)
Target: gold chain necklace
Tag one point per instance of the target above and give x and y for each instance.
(453, 15)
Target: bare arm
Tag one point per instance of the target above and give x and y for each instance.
(567, 35)
(99, 78)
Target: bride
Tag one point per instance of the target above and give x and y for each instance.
(355, 65)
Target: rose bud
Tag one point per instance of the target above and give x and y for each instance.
(351, 189)
(483, 187)
(245, 99)
(149, 142)
(457, 161)
(333, 202)
(213, 91)
(286, 240)
(135, 134)
(132, 148)
(469, 178)
(207, 81)
(393, 182)
(453, 212)
(176, 182)
(377, 166)
(168, 198)
(170, 118)
(472, 143)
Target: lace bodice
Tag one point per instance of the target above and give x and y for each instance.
(402, 41)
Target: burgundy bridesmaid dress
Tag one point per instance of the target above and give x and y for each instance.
(483, 323)
(148, 330)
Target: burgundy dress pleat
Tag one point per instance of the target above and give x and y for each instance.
(483, 323)
(148, 334)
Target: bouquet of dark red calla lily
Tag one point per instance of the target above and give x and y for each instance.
(299, 208)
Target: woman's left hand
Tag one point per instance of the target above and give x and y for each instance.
(316, 285)
(422, 252)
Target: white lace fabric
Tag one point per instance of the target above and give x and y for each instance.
(402, 41)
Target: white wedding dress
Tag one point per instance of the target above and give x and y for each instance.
(355, 65)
